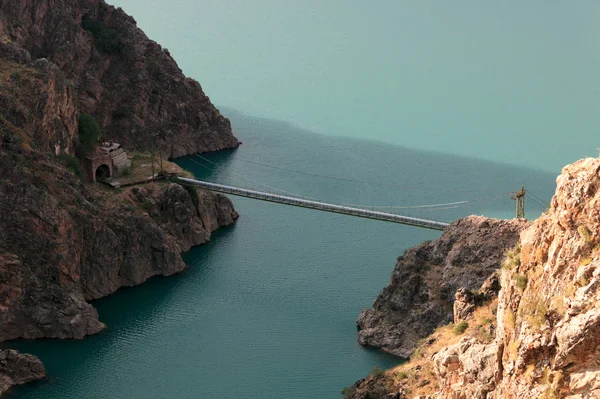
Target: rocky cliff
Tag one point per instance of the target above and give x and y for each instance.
(424, 281)
(64, 241)
(540, 337)
(130, 84)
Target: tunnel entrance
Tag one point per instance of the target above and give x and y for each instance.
(102, 172)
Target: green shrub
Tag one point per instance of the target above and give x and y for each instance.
(377, 371)
(106, 39)
(146, 205)
(512, 258)
(119, 113)
(402, 375)
(89, 133)
(346, 391)
(461, 327)
(521, 281)
(72, 163)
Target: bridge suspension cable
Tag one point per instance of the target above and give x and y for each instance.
(429, 207)
(322, 206)
(365, 182)
(408, 208)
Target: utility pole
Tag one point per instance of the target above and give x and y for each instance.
(519, 196)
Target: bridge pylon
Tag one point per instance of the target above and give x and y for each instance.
(519, 196)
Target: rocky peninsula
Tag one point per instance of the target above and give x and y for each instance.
(538, 336)
(63, 240)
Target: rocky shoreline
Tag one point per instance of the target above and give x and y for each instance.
(426, 278)
(64, 241)
(538, 337)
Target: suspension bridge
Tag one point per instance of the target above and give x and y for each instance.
(321, 206)
(292, 199)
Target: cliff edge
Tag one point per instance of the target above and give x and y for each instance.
(129, 83)
(63, 240)
(540, 337)
(425, 279)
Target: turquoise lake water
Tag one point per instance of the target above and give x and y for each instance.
(268, 308)
(415, 103)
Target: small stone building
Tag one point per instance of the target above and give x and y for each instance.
(108, 160)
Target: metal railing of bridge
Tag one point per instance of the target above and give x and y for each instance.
(321, 206)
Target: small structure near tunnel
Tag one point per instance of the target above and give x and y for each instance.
(107, 161)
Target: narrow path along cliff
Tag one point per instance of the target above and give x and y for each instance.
(63, 240)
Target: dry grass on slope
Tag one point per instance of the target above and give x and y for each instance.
(417, 376)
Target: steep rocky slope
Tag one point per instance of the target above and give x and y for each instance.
(64, 241)
(425, 279)
(544, 339)
(132, 85)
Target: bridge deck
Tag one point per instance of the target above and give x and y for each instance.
(322, 206)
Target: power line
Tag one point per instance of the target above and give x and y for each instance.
(246, 178)
(537, 203)
(539, 199)
(364, 182)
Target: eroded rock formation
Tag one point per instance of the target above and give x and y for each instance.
(546, 335)
(134, 90)
(18, 369)
(425, 279)
(63, 241)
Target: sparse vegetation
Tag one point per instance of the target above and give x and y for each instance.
(513, 350)
(512, 258)
(585, 233)
(585, 261)
(460, 327)
(569, 290)
(146, 205)
(558, 305)
(106, 39)
(89, 133)
(552, 381)
(534, 310)
(377, 371)
(521, 281)
(509, 319)
(401, 375)
(72, 163)
(414, 377)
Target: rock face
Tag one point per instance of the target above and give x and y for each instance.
(64, 242)
(18, 369)
(423, 284)
(134, 88)
(547, 340)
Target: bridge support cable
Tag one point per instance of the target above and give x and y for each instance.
(242, 176)
(322, 206)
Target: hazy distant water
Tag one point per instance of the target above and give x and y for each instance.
(268, 308)
(512, 81)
